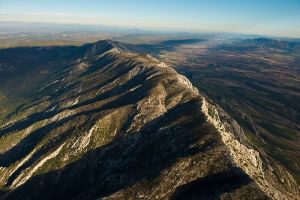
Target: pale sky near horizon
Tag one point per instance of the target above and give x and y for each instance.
(268, 17)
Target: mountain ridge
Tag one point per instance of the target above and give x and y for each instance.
(115, 106)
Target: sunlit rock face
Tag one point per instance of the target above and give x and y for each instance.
(107, 123)
(270, 178)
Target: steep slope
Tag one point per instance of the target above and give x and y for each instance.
(111, 124)
(257, 82)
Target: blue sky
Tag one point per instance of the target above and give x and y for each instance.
(269, 17)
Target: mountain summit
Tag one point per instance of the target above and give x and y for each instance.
(102, 122)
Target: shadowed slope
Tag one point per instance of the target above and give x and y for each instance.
(113, 124)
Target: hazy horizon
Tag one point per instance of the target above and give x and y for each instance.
(272, 18)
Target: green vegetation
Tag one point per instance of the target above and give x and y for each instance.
(126, 123)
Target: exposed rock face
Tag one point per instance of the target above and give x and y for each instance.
(112, 124)
(249, 159)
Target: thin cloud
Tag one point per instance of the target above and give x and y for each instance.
(41, 14)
